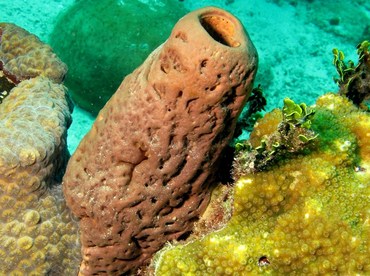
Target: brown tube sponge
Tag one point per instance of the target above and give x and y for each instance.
(142, 175)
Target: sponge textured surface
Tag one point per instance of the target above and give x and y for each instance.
(142, 175)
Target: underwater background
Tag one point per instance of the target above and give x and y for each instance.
(155, 187)
(294, 39)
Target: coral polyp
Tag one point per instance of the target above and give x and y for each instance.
(307, 214)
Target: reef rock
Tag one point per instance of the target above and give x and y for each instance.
(143, 174)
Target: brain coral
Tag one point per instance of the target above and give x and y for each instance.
(308, 215)
(37, 233)
(24, 56)
(142, 175)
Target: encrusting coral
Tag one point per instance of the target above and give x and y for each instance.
(143, 173)
(37, 233)
(307, 215)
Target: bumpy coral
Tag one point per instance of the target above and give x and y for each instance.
(142, 175)
(24, 56)
(37, 233)
(33, 119)
(308, 215)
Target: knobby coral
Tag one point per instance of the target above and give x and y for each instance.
(37, 233)
(24, 56)
(143, 174)
(309, 214)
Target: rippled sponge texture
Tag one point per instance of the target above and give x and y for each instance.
(143, 174)
(308, 215)
(37, 234)
(24, 56)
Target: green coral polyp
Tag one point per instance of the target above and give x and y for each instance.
(25, 243)
(31, 217)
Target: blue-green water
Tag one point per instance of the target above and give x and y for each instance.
(294, 39)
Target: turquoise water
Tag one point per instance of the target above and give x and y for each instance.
(294, 40)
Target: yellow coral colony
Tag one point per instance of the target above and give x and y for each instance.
(24, 56)
(309, 214)
(37, 235)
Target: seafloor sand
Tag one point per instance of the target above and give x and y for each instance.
(294, 39)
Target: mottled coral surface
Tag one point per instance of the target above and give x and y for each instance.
(24, 56)
(37, 233)
(307, 215)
